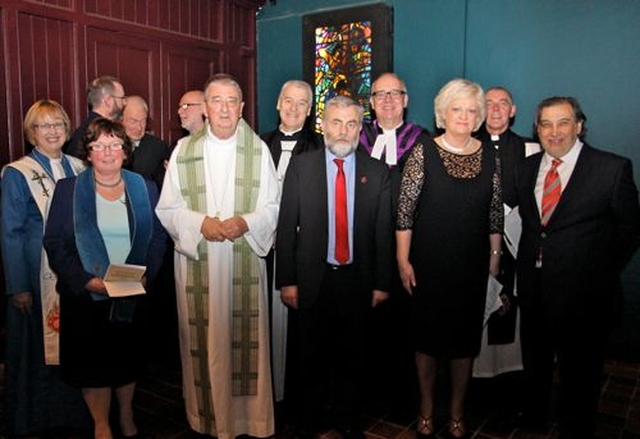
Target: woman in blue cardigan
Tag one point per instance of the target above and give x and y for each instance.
(104, 216)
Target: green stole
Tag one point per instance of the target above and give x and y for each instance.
(246, 268)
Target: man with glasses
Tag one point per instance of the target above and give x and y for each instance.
(219, 203)
(390, 138)
(191, 111)
(106, 98)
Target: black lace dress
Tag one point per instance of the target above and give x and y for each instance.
(451, 203)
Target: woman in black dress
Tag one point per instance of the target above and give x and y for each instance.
(449, 229)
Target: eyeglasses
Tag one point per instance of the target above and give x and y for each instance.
(47, 126)
(382, 95)
(100, 147)
(217, 101)
(187, 105)
(124, 98)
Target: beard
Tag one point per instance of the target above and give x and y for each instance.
(340, 148)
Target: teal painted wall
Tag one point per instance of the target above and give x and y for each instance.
(589, 49)
(586, 48)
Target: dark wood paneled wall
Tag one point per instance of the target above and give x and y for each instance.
(158, 48)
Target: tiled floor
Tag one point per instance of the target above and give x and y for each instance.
(160, 409)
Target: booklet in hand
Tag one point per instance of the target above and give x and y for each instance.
(122, 280)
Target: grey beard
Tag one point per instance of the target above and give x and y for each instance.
(341, 149)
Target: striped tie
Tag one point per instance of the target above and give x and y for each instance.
(551, 192)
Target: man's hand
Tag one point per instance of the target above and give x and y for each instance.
(289, 296)
(234, 227)
(212, 229)
(377, 297)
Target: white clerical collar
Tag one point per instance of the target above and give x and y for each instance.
(289, 133)
(392, 130)
(216, 139)
(387, 143)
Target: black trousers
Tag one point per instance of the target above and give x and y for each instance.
(331, 347)
(577, 345)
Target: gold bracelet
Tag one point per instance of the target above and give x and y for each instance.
(496, 252)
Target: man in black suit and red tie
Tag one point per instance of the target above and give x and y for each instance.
(334, 263)
(580, 226)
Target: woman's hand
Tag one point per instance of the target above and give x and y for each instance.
(23, 301)
(407, 276)
(96, 285)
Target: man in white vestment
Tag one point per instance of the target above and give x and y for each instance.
(219, 203)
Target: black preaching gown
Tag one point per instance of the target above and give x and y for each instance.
(452, 203)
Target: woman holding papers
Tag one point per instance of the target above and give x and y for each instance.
(37, 400)
(104, 216)
(448, 230)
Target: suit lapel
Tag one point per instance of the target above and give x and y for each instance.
(531, 178)
(318, 191)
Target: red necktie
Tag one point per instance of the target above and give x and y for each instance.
(551, 192)
(342, 224)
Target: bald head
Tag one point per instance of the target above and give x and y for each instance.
(134, 117)
(191, 111)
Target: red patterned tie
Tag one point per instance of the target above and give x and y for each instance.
(342, 225)
(551, 192)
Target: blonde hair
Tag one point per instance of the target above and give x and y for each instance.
(38, 110)
(459, 89)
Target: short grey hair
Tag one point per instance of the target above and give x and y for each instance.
(223, 79)
(137, 100)
(459, 89)
(298, 84)
(101, 87)
(341, 101)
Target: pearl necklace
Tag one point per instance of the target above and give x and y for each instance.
(109, 185)
(457, 150)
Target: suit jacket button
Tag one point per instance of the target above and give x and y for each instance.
(543, 235)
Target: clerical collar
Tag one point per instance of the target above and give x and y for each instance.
(289, 133)
(495, 137)
(392, 130)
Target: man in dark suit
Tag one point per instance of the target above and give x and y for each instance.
(334, 263)
(293, 136)
(580, 226)
(149, 152)
(106, 98)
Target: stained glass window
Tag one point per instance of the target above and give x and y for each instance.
(343, 64)
(343, 50)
